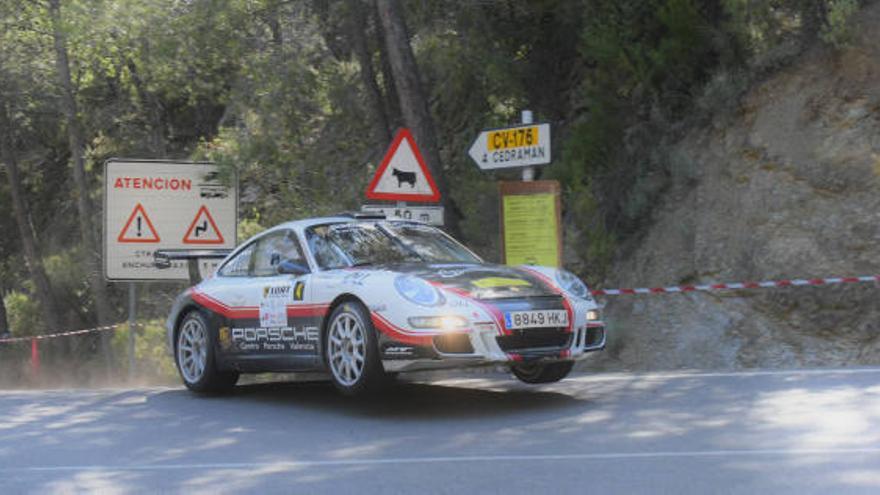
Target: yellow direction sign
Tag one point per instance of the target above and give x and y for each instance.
(520, 146)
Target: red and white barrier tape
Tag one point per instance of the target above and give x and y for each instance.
(104, 328)
(738, 285)
(767, 284)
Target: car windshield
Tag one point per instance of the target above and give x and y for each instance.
(349, 244)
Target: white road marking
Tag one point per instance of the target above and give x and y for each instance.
(293, 465)
(662, 375)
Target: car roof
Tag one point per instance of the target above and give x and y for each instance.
(310, 222)
(301, 225)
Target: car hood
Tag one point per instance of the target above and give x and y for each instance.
(482, 281)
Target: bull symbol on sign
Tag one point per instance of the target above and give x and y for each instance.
(404, 177)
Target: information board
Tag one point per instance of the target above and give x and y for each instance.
(151, 205)
(530, 219)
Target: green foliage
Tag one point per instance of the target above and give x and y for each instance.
(23, 312)
(838, 29)
(250, 226)
(154, 361)
(648, 59)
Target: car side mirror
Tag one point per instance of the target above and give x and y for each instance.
(288, 267)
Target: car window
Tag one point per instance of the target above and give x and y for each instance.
(352, 244)
(365, 243)
(274, 248)
(327, 254)
(239, 265)
(429, 243)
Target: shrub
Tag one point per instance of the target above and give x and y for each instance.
(154, 362)
(23, 312)
(837, 31)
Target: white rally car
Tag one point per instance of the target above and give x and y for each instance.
(364, 298)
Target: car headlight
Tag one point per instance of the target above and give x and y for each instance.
(446, 323)
(417, 291)
(592, 315)
(573, 285)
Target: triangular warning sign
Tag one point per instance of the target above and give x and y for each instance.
(403, 175)
(203, 230)
(138, 228)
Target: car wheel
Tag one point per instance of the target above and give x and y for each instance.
(352, 352)
(194, 355)
(542, 373)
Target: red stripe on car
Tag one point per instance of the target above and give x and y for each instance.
(398, 333)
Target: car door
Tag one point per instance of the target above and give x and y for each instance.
(283, 336)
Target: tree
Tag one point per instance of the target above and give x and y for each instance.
(48, 305)
(77, 146)
(17, 83)
(357, 27)
(413, 104)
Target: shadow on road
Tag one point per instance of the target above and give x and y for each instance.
(402, 401)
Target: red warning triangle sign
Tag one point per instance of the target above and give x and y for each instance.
(138, 228)
(403, 175)
(203, 230)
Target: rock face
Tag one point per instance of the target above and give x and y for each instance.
(788, 188)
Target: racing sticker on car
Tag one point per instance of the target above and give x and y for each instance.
(225, 339)
(298, 291)
(496, 282)
(273, 305)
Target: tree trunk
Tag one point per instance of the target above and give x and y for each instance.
(32, 258)
(76, 142)
(413, 104)
(357, 26)
(391, 101)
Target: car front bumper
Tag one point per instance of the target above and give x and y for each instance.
(485, 347)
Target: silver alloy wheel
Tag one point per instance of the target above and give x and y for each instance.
(192, 350)
(346, 348)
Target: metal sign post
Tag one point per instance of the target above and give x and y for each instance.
(132, 315)
(528, 172)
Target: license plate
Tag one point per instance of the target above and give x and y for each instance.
(536, 319)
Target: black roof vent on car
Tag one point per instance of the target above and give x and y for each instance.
(363, 215)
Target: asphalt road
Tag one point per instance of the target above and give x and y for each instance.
(811, 431)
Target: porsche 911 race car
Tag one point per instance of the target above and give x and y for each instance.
(364, 298)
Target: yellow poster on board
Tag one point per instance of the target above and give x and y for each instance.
(530, 229)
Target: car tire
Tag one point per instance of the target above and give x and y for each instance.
(535, 373)
(194, 355)
(351, 351)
